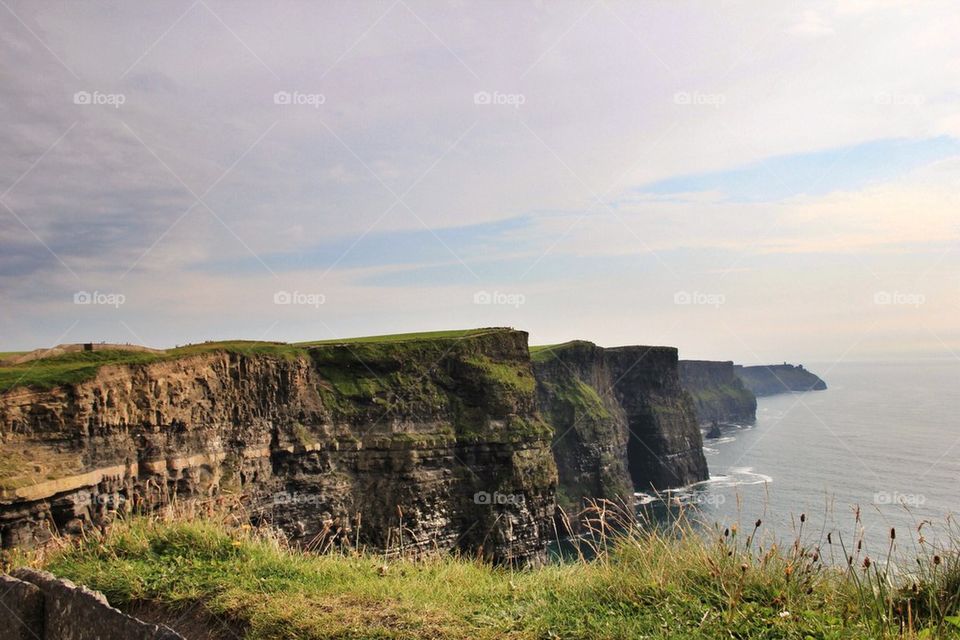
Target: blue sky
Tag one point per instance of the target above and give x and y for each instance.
(814, 173)
(597, 160)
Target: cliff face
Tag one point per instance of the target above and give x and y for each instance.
(621, 420)
(576, 396)
(665, 447)
(432, 443)
(768, 380)
(718, 394)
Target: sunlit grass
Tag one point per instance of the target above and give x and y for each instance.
(76, 367)
(642, 583)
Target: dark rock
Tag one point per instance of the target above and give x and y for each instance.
(715, 431)
(21, 610)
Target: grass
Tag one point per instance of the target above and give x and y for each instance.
(73, 368)
(545, 352)
(68, 368)
(643, 584)
(405, 337)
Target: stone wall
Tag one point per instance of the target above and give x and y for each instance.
(36, 605)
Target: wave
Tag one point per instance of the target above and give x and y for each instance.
(705, 492)
(645, 498)
(736, 477)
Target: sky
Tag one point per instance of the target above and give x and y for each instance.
(761, 182)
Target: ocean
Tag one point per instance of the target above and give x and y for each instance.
(884, 438)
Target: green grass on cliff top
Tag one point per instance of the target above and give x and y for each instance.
(72, 368)
(403, 337)
(544, 352)
(646, 585)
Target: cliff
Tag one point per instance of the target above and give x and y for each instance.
(621, 420)
(718, 394)
(429, 442)
(768, 380)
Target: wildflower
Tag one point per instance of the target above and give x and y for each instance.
(829, 538)
(936, 559)
(758, 523)
(784, 614)
(803, 518)
(789, 570)
(743, 567)
(726, 532)
(893, 533)
(866, 562)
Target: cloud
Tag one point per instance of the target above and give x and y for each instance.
(811, 25)
(401, 176)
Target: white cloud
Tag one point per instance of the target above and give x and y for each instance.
(598, 119)
(812, 25)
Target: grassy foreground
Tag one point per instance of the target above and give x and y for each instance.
(671, 584)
